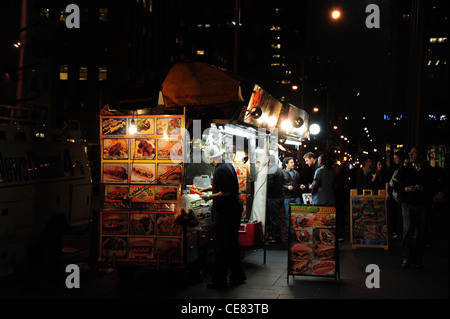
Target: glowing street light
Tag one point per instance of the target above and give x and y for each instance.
(314, 129)
(335, 14)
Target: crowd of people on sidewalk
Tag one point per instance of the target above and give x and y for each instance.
(410, 185)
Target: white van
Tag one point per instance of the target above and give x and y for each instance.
(43, 173)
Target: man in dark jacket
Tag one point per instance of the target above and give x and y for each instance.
(291, 188)
(416, 186)
(226, 214)
(275, 198)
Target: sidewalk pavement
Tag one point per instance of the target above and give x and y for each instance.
(264, 281)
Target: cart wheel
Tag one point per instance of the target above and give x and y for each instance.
(126, 277)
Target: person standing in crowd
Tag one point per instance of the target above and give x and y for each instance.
(365, 175)
(291, 188)
(394, 206)
(275, 199)
(342, 197)
(324, 185)
(311, 161)
(378, 180)
(226, 214)
(416, 186)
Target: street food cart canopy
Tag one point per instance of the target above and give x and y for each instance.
(196, 83)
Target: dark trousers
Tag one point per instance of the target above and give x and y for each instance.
(394, 212)
(274, 206)
(414, 231)
(227, 256)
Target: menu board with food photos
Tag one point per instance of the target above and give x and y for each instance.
(312, 241)
(368, 219)
(140, 236)
(142, 175)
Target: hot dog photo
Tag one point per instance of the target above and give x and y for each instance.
(323, 268)
(115, 173)
(143, 173)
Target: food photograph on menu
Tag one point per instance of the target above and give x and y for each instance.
(114, 126)
(143, 148)
(169, 173)
(168, 248)
(169, 150)
(143, 173)
(144, 125)
(166, 193)
(142, 224)
(168, 125)
(115, 173)
(141, 248)
(114, 247)
(312, 249)
(116, 193)
(115, 149)
(369, 226)
(166, 225)
(115, 223)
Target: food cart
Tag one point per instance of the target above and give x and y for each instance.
(142, 178)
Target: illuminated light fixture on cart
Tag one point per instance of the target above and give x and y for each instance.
(294, 122)
(132, 130)
(247, 133)
(292, 142)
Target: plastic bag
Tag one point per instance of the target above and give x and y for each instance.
(184, 213)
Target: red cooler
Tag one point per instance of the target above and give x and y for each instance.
(250, 234)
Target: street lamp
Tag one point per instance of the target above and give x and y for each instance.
(314, 129)
(335, 14)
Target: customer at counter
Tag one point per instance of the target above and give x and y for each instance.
(226, 217)
(291, 187)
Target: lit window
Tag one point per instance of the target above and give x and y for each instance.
(275, 28)
(46, 12)
(429, 62)
(276, 46)
(285, 82)
(432, 117)
(275, 64)
(433, 40)
(63, 72)
(102, 73)
(200, 52)
(63, 15)
(441, 40)
(83, 73)
(276, 56)
(443, 117)
(103, 14)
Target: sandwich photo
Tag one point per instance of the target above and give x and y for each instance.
(166, 193)
(115, 173)
(300, 251)
(169, 173)
(114, 223)
(323, 267)
(323, 252)
(300, 267)
(142, 173)
(324, 236)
